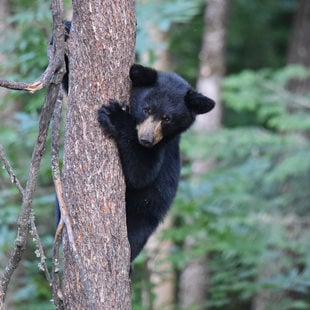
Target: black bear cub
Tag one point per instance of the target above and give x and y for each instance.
(163, 105)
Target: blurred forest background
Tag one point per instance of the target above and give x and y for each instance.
(238, 233)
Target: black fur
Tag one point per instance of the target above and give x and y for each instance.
(151, 172)
(162, 106)
(65, 81)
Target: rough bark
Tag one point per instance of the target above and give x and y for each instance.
(194, 277)
(101, 50)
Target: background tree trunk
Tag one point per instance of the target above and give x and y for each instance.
(298, 53)
(212, 61)
(101, 50)
(5, 115)
(299, 47)
(160, 269)
(194, 277)
(4, 12)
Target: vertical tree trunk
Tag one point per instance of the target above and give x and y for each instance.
(6, 114)
(212, 61)
(299, 47)
(101, 50)
(194, 277)
(4, 10)
(298, 53)
(160, 269)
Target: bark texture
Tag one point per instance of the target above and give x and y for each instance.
(101, 50)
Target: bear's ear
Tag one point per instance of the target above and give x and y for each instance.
(142, 76)
(198, 103)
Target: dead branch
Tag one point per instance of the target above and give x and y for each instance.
(56, 284)
(34, 230)
(52, 76)
(57, 291)
(40, 251)
(32, 86)
(10, 171)
(55, 55)
(25, 213)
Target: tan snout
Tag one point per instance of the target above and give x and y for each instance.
(149, 132)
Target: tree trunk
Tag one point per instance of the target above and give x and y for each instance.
(194, 284)
(298, 53)
(299, 47)
(6, 114)
(101, 50)
(4, 12)
(161, 273)
(212, 61)
(194, 277)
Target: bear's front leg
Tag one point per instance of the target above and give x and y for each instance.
(113, 118)
(140, 165)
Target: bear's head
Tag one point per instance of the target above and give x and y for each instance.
(163, 104)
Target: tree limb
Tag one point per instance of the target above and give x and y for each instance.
(55, 54)
(25, 213)
(57, 291)
(34, 230)
(52, 76)
(10, 171)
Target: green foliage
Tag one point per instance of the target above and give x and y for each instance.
(163, 14)
(250, 213)
(257, 33)
(242, 216)
(31, 281)
(185, 44)
(265, 94)
(24, 46)
(33, 284)
(257, 36)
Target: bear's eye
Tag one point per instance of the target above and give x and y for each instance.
(147, 110)
(166, 119)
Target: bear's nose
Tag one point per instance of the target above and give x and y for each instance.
(146, 141)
